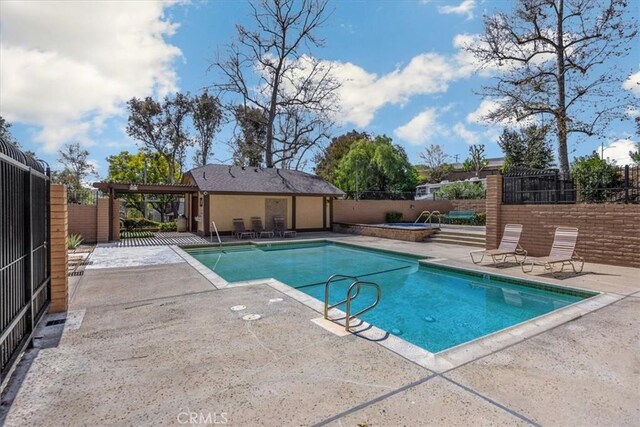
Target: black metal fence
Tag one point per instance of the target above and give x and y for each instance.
(24, 251)
(548, 187)
(537, 187)
(83, 196)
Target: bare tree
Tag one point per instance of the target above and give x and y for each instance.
(248, 140)
(436, 162)
(207, 116)
(553, 58)
(270, 68)
(476, 161)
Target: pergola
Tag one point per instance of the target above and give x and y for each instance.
(115, 188)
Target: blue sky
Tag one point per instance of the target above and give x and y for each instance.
(67, 68)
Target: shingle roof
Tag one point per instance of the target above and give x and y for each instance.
(236, 179)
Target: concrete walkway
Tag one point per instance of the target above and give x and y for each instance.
(149, 341)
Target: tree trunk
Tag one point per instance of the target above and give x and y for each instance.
(561, 114)
(171, 170)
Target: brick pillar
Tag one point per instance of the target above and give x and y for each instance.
(58, 249)
(102, 220)
(494, 204)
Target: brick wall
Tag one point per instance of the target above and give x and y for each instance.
(478, 205)
(92, 221)
(493, 204)
(608, 233)
(58, 246)
(82, 221)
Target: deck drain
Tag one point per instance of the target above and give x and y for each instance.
(55, 322)
(251, 317)
(276, 300)
(238, 308)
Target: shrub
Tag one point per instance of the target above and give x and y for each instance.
(74, 241)
(598, 180)
(393, 217)
(479, 219)
(168, 226)
(132, 224)
(461, 190)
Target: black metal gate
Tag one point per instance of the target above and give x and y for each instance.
(25, 285)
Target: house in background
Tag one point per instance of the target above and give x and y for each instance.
(227, 192)
(458, 173)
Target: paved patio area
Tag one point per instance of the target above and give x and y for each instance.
(149, 340)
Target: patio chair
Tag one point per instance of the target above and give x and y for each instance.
(258, 229)
(281, 229)
(509, 247)
(562, 252)
(238, 229)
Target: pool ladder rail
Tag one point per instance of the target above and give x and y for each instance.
(352, 293)
(430, 215)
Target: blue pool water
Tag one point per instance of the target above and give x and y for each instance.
(435, 308)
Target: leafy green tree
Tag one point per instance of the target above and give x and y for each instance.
(376, 165)
(436, 164)
(527, 148)
(207, 116)
(76, 169)
(161, 127)
(5, 132)
(477, 160)
(597, 179)
(461, 190)
(327, 161)
(143, 166)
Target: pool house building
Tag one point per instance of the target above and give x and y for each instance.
(228, 192)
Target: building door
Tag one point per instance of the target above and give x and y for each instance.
(272, 208)
(194, 212)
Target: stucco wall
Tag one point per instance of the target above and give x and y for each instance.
(309, 212)
(373, 211)
(224, 208)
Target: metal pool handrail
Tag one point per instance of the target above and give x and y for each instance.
(328, 307)
(217, 234)
(357, 285)
(420, 216)
(431, 214)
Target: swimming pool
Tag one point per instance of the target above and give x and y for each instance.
(433, 307)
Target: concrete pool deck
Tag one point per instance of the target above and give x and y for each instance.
(147, 343)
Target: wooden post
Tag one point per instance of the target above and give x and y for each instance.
(293, 213)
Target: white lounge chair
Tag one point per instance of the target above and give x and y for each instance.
(509, 247)
(563, 252)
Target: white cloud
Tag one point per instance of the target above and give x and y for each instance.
(465, 134)
(363, 93)
(618, 151)
(69, 66)
(633, 83)
(486, 107)
(421, 128)
(464, 8)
